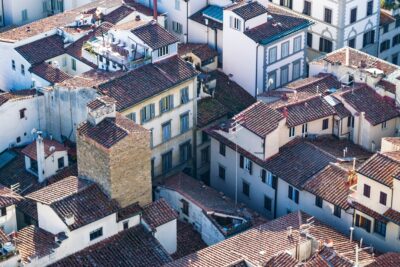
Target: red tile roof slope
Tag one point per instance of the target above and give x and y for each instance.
(364, 209)
(118, 14)
(202, 51)
(382, 167)
(249, 10)
(30, 150)
(158, 213)
(390, 259)
(50, 73)
(316, 85)
(42, 49)
(8, 197)
(134, 247)
(283, 259)
(209, 110)
(392, 215)
(17, 95)
(365, 99)
(154, 35)
(188, 240)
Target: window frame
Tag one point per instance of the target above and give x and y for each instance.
(96, 233)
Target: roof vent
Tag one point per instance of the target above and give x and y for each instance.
(69, 219)
(137, 18)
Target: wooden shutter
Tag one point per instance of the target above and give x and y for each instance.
(152, 110)
(171, 101)
(251, 167)
(241, 162)
(142, 115)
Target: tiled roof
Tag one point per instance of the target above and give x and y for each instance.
(139, 7)
(59, 190)
(31, 152)
(91, 79)
(75, 49)
(259, 118)
(388, 86)
(249, 10)
(3, 237)
(358, 58)
(283, 259)
(17, 95)
(49, 73)
(386, 18)
(188, 240)
(147, 81)
(230, 94)
(118, 14)
(154, 35)
(134, 247)
(100, 102)
(8, 197)
(109, 131)
(298, 161)
(128, 211)
(34, 242)
(316, 84)
(382, 167)
(74, 196)
(200, 18)
(328, 257)
(365, 99)
(158, 213)
(202, 51)
(341, 111)
(209, 110)
(271, 238)
(360, 207)
(331, 185)
(28, 207)
(392, 215)
(42, 49)
(307, 110)
(390, 259)
(283, 23)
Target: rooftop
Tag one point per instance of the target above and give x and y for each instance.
(50, 147)
(188, 240)
(154, 35)
(6, 97)
(208, 17)
(133, 247)
(265, 242)
(158, 213)
(202, 51)
(8, 197)
(249, 10)
(390, 259)
(209, 110)
(49, 73)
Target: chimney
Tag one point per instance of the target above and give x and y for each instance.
(100, 109)
(70, 219)
(40, 156)
(155, 15)
(347, 56)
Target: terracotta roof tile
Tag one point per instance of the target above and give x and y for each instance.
(283, 259)
(42, 49)
(390, 259)
(202, 51)
(328, 257)
(118, 14)
(128, 211)
(392, 215)
(158, 213)
(31, 152)
(360, 207)
(17, 95)
(382, 167)
(388, 86)
(154, 35)
(209, 110)
(188, 240)
(49, 73)
(331, 185)
(386, 18)
(147, 81)
(315, 84)
(365, 99)
(8, 197)
(133, 247)
(249, 10)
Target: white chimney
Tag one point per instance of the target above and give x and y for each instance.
(40, 156)
(70, 219)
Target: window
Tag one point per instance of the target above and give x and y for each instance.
(287, 3)
(304, 128)
(177, 4)
(271, 82)
(385, 45)
(73, 63)
(368, 38)
(60, 162)
(296, 70)
(246, 188)
(13, 64)
(22, 69)
(367, 190)
(166, 131)
(205, 155)
(263, 176)
(284, 75)
(166, 103)
(328, 15)
(204, 137)
(395, 59)
(385, 28)
(248, 165)
(293, 194)
(222, 149)
(152, 167)
(370, 7)
(325, 124)
(318, 201)
(185, 152)
(363, 223)
(166, 162)
(352, 42)
(384, 125)
(285, 49)
(22, 113)
(18, 139)
(162, 51)
(235, 23)
(24, 15)
(325, 45)
(291, 131)
(267, 203)
(185, 207)
(184, 95)
(309, 39)
(176, 27)
(397, 22)
(147, 113)
(380, 228)
(353, 15)
(221, 172)
(272, 55)
(96, 233)
(3, 211)
(307, 8)
(132, 116)
(297, 44)
(337, 211)
(126, 225)
(383, 198)
(184, 122)
(396, 40)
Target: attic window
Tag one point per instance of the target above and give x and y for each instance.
(22, 113)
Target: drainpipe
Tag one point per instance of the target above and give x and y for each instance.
(216, 38)
(2, 13)
(187, 21)
(255, 89)
(155, 15)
